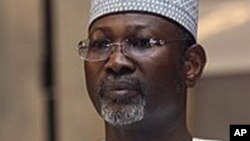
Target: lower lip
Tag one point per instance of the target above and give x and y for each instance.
(120, 94)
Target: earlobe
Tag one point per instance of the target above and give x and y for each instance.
(195, 60)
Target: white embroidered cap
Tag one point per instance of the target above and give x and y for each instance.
(184, 12)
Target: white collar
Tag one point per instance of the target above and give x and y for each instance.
(195, 139)
(199, 139)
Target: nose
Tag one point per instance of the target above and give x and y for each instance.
(119, 64)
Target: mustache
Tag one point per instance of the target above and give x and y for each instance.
(131, 82)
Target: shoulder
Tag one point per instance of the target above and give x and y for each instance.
(198, 139)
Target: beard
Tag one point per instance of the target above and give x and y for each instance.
(117, 113)
(123, 111)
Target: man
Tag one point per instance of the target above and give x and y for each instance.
(140, 58)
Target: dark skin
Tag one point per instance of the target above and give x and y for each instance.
(162, 72)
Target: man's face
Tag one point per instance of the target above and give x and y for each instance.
(128, 89)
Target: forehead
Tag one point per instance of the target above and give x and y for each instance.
(123, 23)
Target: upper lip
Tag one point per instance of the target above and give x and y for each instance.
(118, 90)
(115, 86)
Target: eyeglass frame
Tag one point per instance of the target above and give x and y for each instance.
(122, 44)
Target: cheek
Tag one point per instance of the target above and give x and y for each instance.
(92, 79)
(162, 81)
(162, 74)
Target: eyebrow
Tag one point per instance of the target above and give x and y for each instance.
(137, 27)
(130, 28)
(102, 29)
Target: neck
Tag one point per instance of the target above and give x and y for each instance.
(148, 131)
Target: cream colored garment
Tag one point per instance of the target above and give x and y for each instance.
(197, 139)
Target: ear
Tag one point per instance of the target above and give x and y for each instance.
(195, 60)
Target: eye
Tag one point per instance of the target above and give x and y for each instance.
(155, 42)
(140, 43)
(99, 44)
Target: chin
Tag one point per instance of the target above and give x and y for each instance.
(123, 112)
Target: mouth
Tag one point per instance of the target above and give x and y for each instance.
(119, 91)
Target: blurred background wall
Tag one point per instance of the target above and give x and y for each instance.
(221, 98)
(21, 96)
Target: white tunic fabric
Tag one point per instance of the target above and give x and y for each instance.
(198, 139)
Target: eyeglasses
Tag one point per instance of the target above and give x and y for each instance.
(101, 49)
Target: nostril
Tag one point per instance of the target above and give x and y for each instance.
(111, 71)
(119, 71)
(125, 70)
